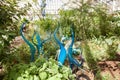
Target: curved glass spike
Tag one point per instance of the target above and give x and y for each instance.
(39, 43)
(33, 38)
(32, 48)
(72, 60)
(62, 54)
(44, 41)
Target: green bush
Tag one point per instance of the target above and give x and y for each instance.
(10, 16)
(91, 21)
(39, 70)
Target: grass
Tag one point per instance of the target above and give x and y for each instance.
(106, 77)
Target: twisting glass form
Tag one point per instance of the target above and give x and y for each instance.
(40, 43)
(72, 60)
(31, 46)
(62, 54)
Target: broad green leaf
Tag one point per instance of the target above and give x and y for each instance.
(36, 77)
(20, 78)
(53, 78)
(43, 75)
(43, 68)
(31, 77)
(109, 41)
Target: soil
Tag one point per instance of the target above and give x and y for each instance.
(109, 70)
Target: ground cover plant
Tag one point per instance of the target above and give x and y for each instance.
(39, 70)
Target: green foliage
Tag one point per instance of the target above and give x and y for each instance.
(40, 70)
(92, 63)
(89, 57)
(10, 14)
(46, 24)
(15, 56)
(66, 19)
(91, 21)
(106, 77)
(47, 27)
(50, 49)
(104, 48)
(112, 50)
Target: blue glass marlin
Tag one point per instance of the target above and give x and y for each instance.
(31, 46)
(72, 61)
(62, 54)
(39, 44)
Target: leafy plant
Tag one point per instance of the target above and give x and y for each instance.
(112, 50)
(10, 15)
(40, 70)
(91, 20)
(106, 77)
(92, 63)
